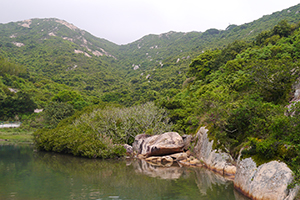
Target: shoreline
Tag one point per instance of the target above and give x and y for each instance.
(15, 136)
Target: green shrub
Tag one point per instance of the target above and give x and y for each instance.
(97, 132)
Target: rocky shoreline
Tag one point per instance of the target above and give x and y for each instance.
(267, 182)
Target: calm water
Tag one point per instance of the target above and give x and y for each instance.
(29, 175)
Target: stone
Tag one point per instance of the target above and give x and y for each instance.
(188, 153)
(158, 145)
(138, 141)
(187, 139)
(190, 163)
(230, 170)
(179, 156)
(166, 159)
(219, 162)
(267, 182)
(195, 162)
(129, 149)
(184, 162)
(154, 159)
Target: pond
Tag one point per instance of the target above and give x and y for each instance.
(29, 175)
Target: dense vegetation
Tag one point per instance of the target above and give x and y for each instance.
(244, 94)
(99, 131)
(59, 52)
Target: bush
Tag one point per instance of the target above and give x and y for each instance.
(98, 132)
(57, 111)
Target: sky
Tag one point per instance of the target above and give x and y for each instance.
(125, 21)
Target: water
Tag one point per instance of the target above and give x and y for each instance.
(29, 175)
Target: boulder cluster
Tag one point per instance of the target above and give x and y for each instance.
(165, 149)
(268, 181)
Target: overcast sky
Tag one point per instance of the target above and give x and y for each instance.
(125, 21)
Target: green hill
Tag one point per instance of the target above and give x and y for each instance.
(54, 51)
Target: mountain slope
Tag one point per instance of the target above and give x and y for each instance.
(59, 51)
(144, 70)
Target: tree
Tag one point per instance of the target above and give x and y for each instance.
(57, 111)
(283, 29)
(203, 64)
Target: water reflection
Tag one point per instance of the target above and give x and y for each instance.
(143, 167)
(25, 174)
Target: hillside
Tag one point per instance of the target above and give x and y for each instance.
(155, 66)
(247, 95)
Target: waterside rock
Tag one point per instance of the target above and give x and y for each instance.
(160, 160)
(129, 149)
(180, 156)
(157, 145)
(165, 149)
(267, 182)
(187, 139)
(219, 162)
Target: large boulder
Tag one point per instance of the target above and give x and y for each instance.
(267, 182)
(217, 161)
(158, 145)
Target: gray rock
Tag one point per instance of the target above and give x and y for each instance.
(138, 142)
(129, 149)
(179, 156)
(158, 145)
(214, 160)
(268, 181)
(187, 139)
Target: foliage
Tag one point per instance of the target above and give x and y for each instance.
(70, 97)
(106, 71)
(242, 95)
(57, 111)
(247, 100)
(96, 131)
(16, 104)
(10, 68)
(15, 136)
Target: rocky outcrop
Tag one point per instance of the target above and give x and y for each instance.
(187, 139)
(267, 182)
(157, 145)
(219, 162)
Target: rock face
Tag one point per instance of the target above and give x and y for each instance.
(216, 161)
(156, 145)
(267, 182)
(187, 139)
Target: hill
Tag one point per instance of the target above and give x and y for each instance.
(155, 66)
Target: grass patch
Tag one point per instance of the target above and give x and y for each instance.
(15, 136)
